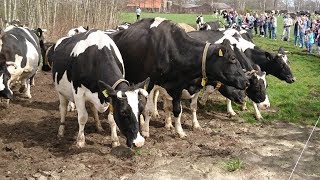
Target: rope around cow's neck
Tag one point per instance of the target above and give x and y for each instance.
(204, 58)
(303, 149)
(118, 82)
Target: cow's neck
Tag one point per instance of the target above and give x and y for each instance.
(258, 57)
(188, 55)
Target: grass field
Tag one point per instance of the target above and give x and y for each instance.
(298, 102)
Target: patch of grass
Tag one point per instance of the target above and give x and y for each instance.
(178, 18)
(137, 152)
(233, 165)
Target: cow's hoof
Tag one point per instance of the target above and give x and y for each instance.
(80, 144)
(197, 128)
(169, 126)
(115, 144)
(145, 134)
(182, 135)
(259, 118)
(156, 114)
(244, 108)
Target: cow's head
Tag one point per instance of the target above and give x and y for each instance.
(199, 20)
(258, 84)
(280, 66)
(5, 90)
(222, 65)
(126, 109)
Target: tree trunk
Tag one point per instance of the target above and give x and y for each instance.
(5, 10)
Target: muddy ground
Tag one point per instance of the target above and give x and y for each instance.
(30, 149)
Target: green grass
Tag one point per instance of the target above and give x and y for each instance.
(179, 18)
(298, 102)
(233, 165)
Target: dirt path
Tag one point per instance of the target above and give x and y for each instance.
(29, 148)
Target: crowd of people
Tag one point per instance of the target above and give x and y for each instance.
(306, 31)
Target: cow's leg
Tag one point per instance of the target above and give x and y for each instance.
(71, 106)
(256, 111)
(167, 107)
(63, 112)
(156, 96)
(206, 93)
(82, 120)
(244, 105)
(96, 118)
(113, 127)
(229, 108)
(177, 112)
(147, 113)
(194, 107)
(28, 91)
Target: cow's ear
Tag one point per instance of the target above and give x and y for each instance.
(269, 56)
(143, 85)
(106, 90)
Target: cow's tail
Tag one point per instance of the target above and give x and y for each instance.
(47, 63)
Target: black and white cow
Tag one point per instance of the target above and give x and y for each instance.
(20, 51)
(256, 91)
(77, 30)
(159, 49)
(87, 68)
(274, 64)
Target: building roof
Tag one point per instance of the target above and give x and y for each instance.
(221, 6)
(145, 3)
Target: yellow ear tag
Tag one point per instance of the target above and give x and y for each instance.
(203, 82)
(105, 93)
(145, 87)
(220, 53)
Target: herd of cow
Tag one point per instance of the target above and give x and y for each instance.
(123, 72)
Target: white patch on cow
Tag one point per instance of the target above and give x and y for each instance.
(15, 70)
(221, 29)
(243, 31)
(0, 44)
(2, 86)
(157, 22)
(265, 104)
(132, 98)
(66, 88)
(244, 44)
(230, 38)
(59, 41)
(263, 77)
(119, 94)
(100, 39)
(284, 58)
(9, 28)
(230, 32)
(14, 36)
(27, 32)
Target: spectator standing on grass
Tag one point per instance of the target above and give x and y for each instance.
(274, 26)
(270, 27)
(302, 31)
(287, 22)
(309, 40)
(138, 13)
(296, 31)
(265, 26)
(256, 23)
(318, 41)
